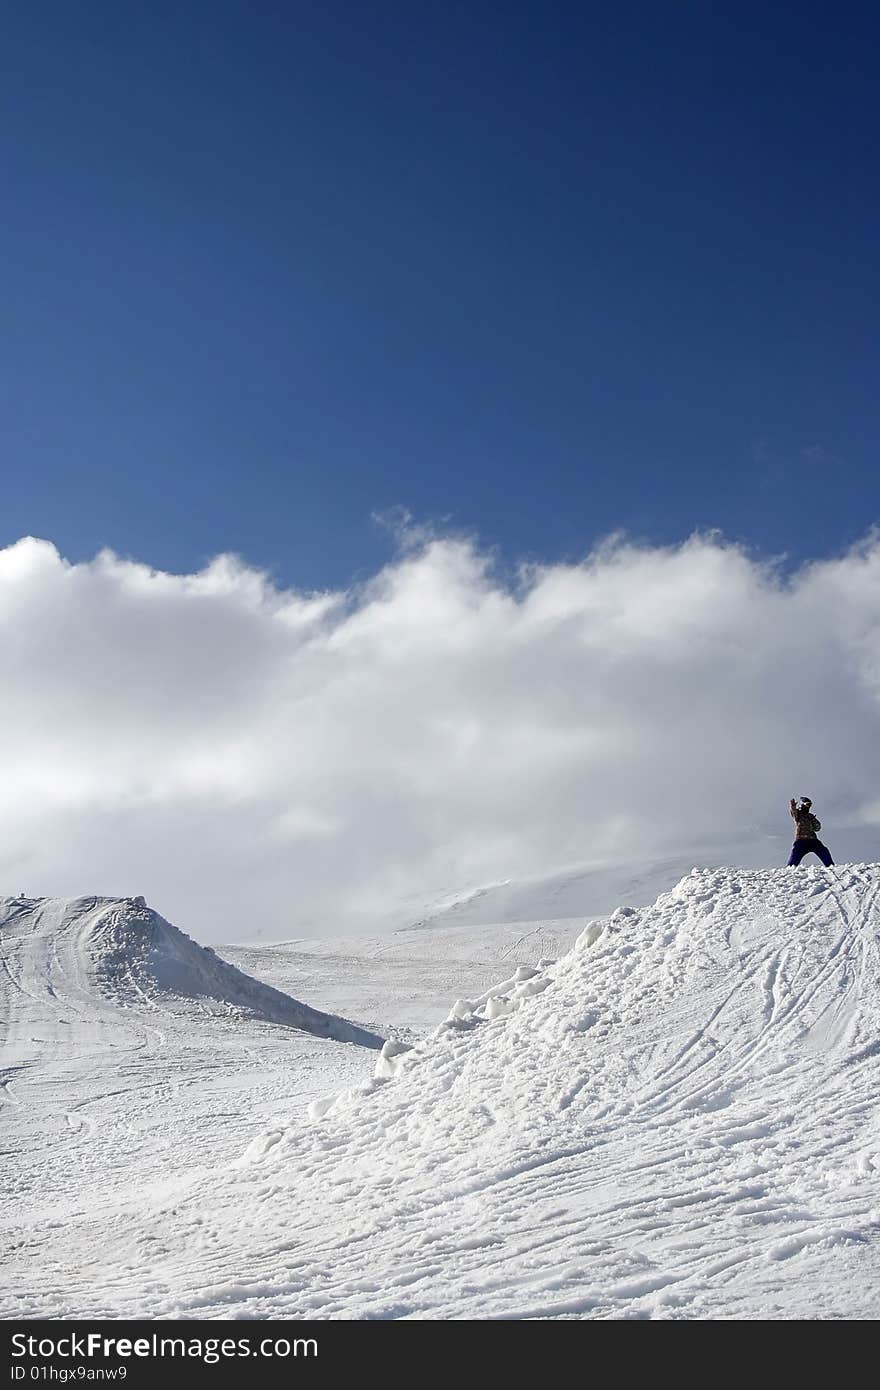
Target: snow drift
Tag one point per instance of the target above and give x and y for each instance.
(90, 956)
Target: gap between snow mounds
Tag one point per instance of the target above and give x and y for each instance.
(123, 953)
(499, 1001)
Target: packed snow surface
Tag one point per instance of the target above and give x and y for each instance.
(679, 1118)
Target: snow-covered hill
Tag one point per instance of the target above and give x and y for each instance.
(679, 1118)
(583, 890)
(129, 1056)
(71, 962)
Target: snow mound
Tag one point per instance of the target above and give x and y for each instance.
(734, 939)
(119, 953)
(690, 1097)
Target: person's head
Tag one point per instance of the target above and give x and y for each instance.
(806, 803)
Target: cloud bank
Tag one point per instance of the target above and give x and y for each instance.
(253, 758)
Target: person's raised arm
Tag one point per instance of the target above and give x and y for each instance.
(793, 805)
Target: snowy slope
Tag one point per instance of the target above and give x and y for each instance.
(680, 1118)
(585, 890)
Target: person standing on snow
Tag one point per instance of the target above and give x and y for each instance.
(806, 834)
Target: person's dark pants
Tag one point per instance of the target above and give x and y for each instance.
(802, 847)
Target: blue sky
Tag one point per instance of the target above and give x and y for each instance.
(543, 270)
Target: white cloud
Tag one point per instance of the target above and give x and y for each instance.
(251, 757)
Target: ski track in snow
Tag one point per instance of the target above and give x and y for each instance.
(680, 1118)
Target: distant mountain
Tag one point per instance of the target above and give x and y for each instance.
(595, 889)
